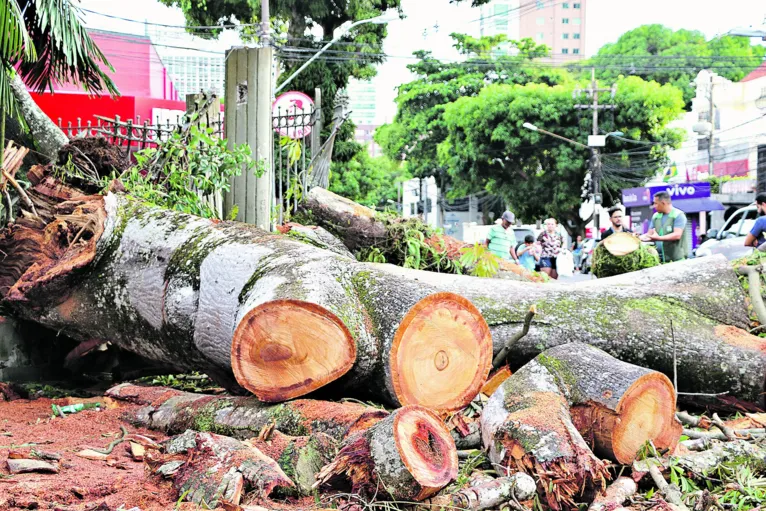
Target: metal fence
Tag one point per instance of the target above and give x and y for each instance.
(292, 156)
(132, 134)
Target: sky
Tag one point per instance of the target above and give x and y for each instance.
(428, 24)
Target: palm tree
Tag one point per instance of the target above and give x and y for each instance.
(43, 42)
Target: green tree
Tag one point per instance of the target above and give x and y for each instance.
(43, 43)
(419, 125)
(367, 180)
(656, 52)
(487, 147)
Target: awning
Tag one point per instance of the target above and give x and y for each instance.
(697, 205)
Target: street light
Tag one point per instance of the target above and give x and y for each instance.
(595, 168)
(378, 20)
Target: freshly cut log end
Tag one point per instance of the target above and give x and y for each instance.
(283, 349)
(441, 353)
(646, 412)
(426, 449)
(409, 455)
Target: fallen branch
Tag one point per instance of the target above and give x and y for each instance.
(726, 430)
(694, 421)
(618, 492)
(489, 495)
(753, 274)
(502, 356)
(671, 492)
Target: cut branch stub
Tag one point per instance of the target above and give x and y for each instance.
(285, 348)
(409, 455)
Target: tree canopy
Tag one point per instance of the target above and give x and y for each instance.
(488, 148)
(419, 126)
(656, 52)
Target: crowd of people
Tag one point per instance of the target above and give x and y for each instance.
(542, 254)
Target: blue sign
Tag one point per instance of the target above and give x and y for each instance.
(632, 197)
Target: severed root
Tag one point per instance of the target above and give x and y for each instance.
(493, 494)
(216, 468)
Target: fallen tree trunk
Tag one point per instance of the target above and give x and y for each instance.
(173, 412)
(544, 418)
(407, 456)
(629, 316)
(249, 308)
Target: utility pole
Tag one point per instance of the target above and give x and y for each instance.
(595, 162)
(710, 164)
(265, 22)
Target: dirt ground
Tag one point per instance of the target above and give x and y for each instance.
(81, 484)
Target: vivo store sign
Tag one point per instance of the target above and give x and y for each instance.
(678, 191)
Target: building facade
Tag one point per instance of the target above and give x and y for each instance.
(559, 25)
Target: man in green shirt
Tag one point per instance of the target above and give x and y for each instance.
(501, 239)
(667, 230)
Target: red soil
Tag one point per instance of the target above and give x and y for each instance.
(127, 482)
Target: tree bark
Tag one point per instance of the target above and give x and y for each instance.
(407, 456)
(544, 418)
(490, 495)
(47, 136)
(173, 412)
(216, 468)
(249, 308)
(354, 224)
(629, 316)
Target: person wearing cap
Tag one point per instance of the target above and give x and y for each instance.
(501, 239)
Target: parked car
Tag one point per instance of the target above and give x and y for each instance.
(730, 240)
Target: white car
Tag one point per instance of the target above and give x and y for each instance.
(730, 240)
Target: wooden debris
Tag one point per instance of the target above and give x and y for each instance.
(137, 451)
(496, 378)
(90, 454)
(22, 466)
(493, 494)
(618, 492)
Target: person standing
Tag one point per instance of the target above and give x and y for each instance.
(501, 240)
(528, 253)
(551, 243)
(577, 247)
(667, 230)
(615, 216)
(756, 235)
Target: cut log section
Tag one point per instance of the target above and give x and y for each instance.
(253, 310)
(629, 317)
(542, 419)
(408, 456)
(173, 412)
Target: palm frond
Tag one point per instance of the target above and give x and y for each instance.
(65, 51)
(15, 45)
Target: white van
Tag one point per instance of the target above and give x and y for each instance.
(730, 240)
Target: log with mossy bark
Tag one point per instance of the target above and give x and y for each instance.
(173, 412)
(408, 456)
(699, 303)
(571, 402)
(253, 310)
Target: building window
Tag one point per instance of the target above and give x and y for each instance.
(576, 36)
(576, 51)
(575, 6)
(541, 36)
(565, 21)
(575, 21)
(565, 51)
(565, 36)
(540, 21)
(565, 5)
(540, 4)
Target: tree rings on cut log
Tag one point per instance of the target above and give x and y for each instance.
(409, 455)
(283, 349)
(621, 244)
(645, 412)
(441, 353)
